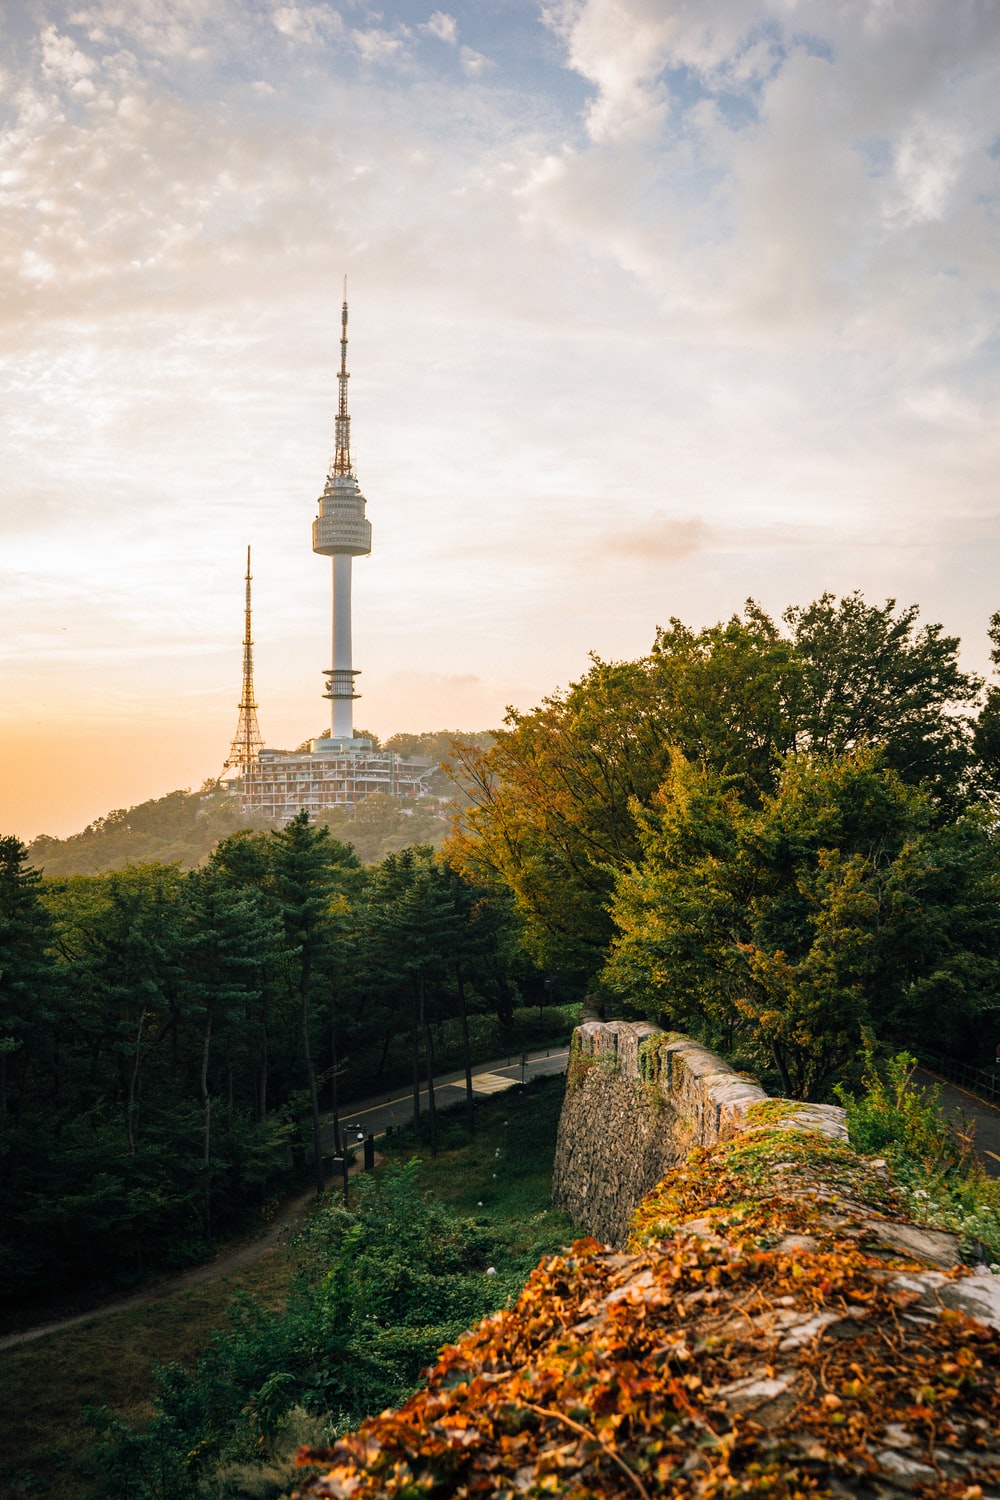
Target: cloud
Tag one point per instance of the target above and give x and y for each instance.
(473, 63)
(63, 61)
(621, 47)
(443, 26)
(307, 25)
(660, 539)
(380, 46)
(164, 29)
(927, 165)
(677, 300)
(777, 170)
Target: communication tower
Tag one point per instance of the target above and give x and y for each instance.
(336, 770)
(341, 532)
(247, 740)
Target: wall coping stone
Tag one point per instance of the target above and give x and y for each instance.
(711, 1081)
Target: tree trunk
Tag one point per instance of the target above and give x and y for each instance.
(132, 1117)
(470, 1104)
(262, 1097)
(429, 1043)
(313, 1095)
(206, 1104)
(415, 1045)
(779, 1063)
(333, 1086)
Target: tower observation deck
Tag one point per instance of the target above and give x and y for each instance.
(341, 532)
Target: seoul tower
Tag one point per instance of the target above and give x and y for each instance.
(341, 531)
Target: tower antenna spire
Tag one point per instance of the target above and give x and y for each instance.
(247, 740)
(342, 451)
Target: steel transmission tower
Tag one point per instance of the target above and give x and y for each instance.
(247, 740)
(341, 532)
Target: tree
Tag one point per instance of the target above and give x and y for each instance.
(870, 676)
(180, 827)
(123, 939)
(243, 861)
(414, 927)
(986, 736)
(384, 824)
(28, 986)
(786, 931)
(309, 871)
(228, 939)
(105, 1144)
(479, 948)
(550, 810)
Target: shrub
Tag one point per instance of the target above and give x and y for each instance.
(934, 1163)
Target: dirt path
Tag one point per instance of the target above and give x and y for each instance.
(376, 1113)
(290, 1213)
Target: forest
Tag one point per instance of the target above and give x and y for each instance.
(169, 1038)
(780, 836)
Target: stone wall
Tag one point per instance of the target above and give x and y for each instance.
(638, 1099)
(774, 1326)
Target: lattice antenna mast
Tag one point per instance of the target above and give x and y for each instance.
(247, 740)
(342, 430)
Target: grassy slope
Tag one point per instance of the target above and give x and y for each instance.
(44, 1384)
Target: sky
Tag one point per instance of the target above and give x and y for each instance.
(655, 305)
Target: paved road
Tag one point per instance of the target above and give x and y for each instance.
(374, 1116)
(963, 1108)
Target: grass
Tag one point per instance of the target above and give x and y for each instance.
(521, 1126)
(502, 1176)
(45, 1384)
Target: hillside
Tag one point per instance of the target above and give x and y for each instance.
(184, 826)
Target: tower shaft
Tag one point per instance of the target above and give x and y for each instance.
(247, 740)
(340, 687)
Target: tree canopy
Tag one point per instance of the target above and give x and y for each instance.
(787, 931)
(555, 801)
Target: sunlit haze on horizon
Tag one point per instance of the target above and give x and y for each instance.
(653, 306)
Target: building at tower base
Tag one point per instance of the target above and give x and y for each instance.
(331, 773)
